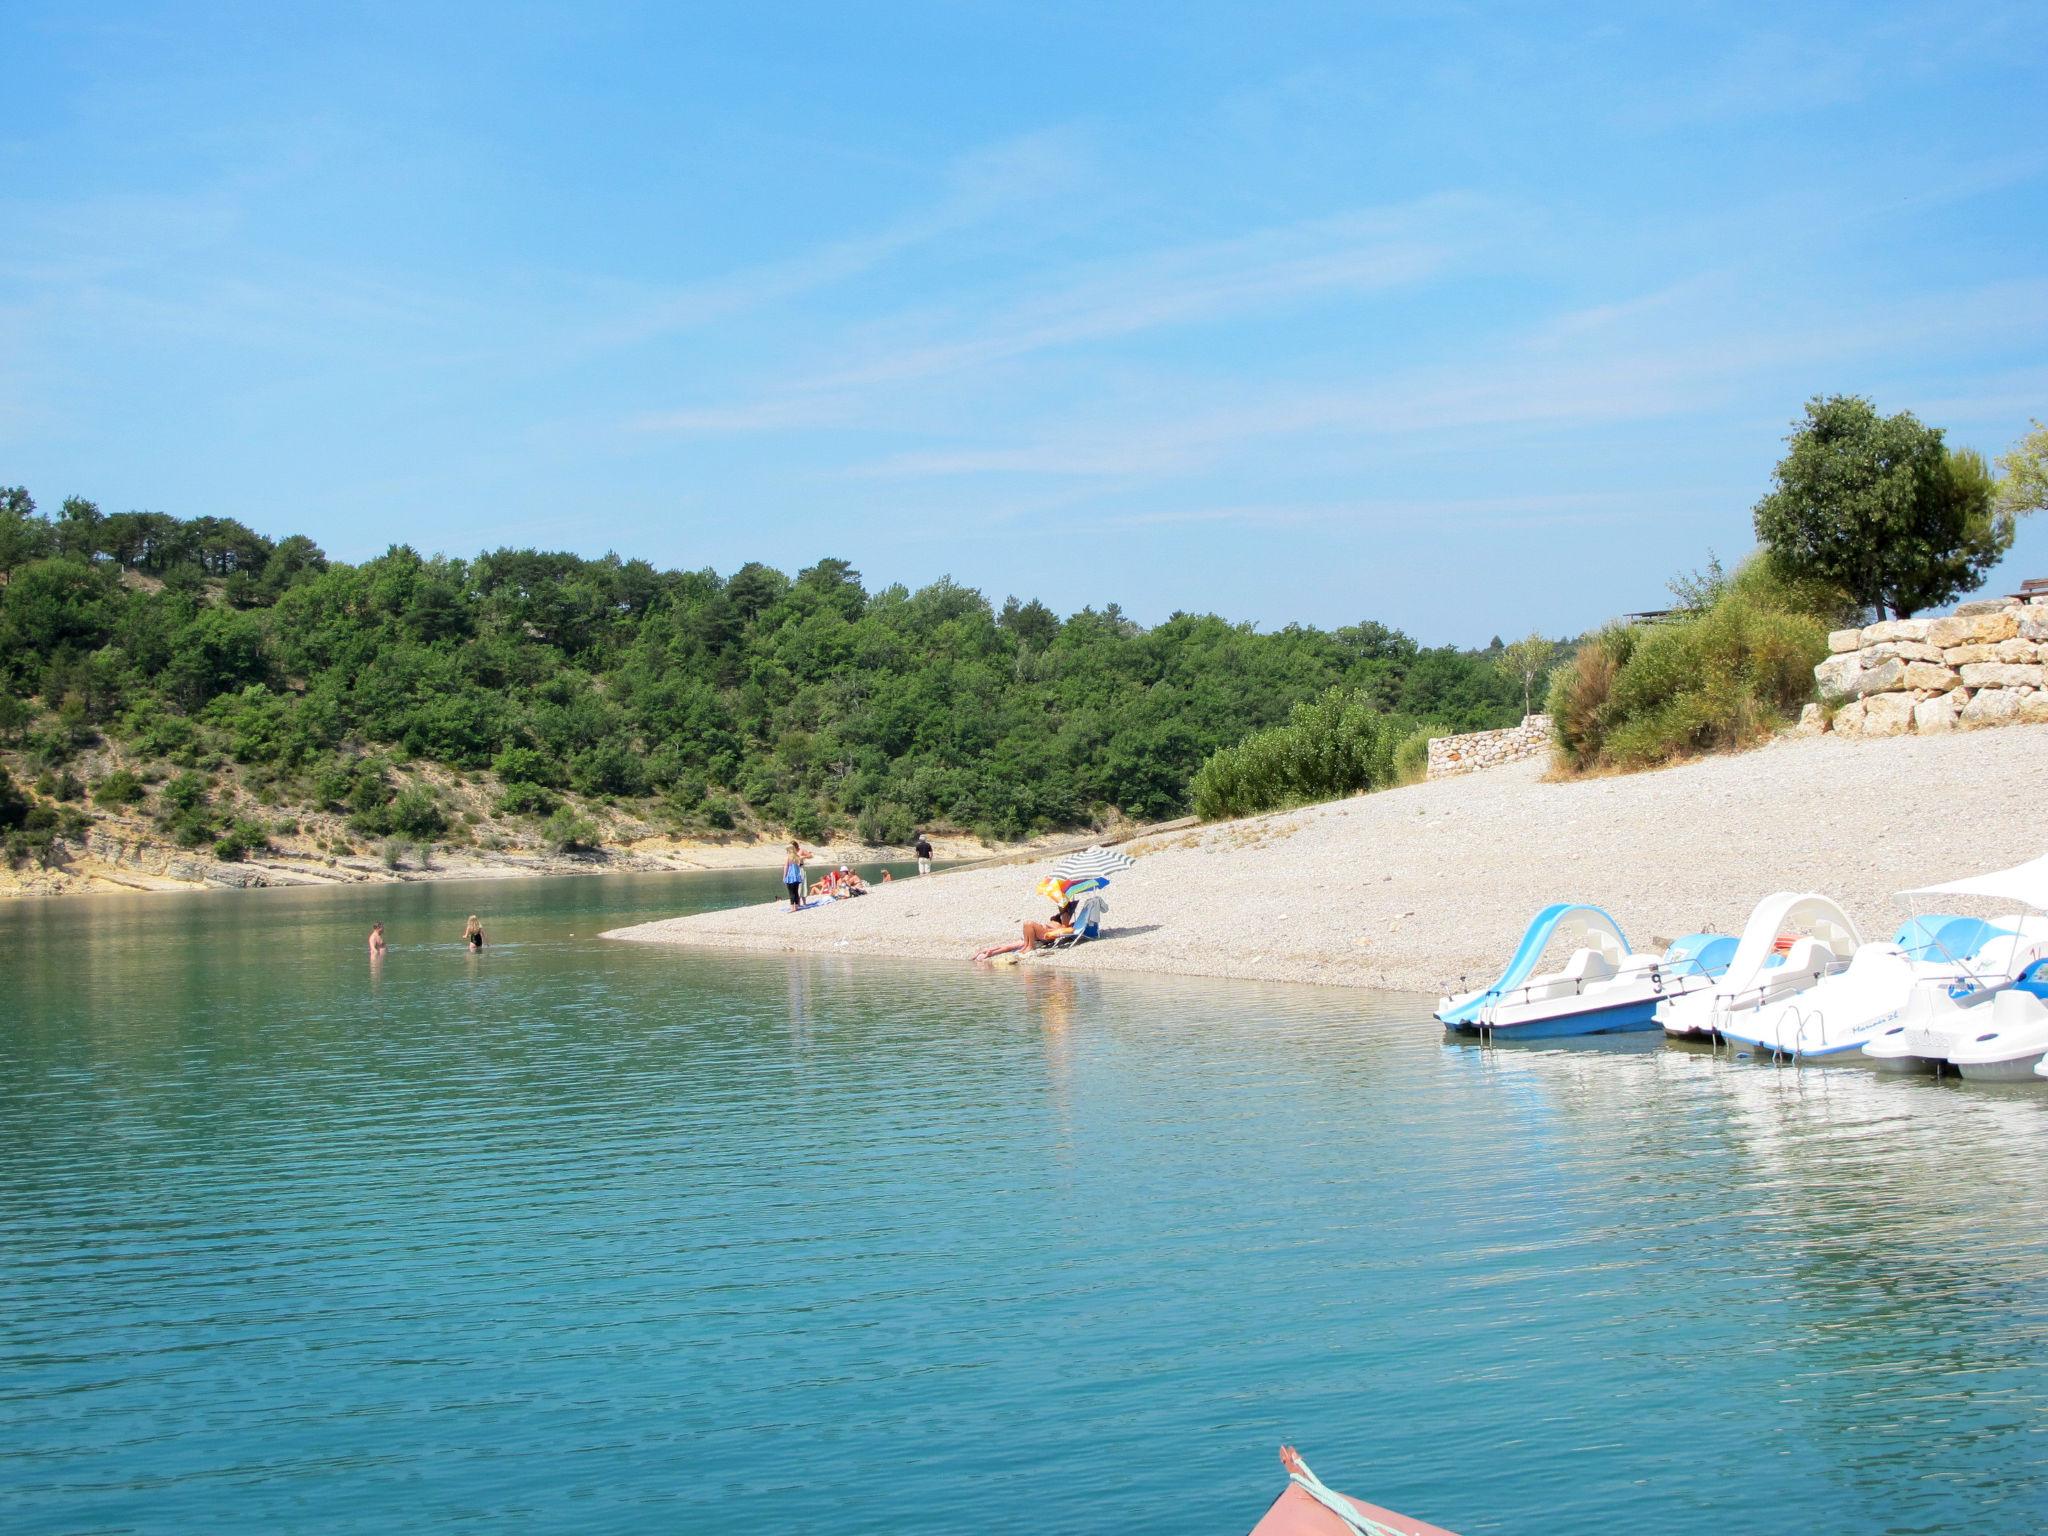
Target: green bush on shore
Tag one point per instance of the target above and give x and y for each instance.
(1333, 746)
(1724, 675)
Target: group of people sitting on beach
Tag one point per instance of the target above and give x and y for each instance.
(838, 885)
(841, 883)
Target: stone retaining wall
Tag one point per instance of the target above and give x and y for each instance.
(1986, 665)
(1453, 755)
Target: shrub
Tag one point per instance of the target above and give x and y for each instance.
(1721, 678)
(885, 825)
(1411, 757)
(523, 765)
(608, 770)
(393, 851)
(1337, 745)
(60, 786)
(13, 803)
(720, 812)
(525, 799)
(417, 814)
(241, 840)
(567, 832)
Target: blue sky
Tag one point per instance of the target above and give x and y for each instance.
(1467, 319)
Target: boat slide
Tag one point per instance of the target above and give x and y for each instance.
(1792, 940)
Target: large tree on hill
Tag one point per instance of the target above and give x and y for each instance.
(1881, 507)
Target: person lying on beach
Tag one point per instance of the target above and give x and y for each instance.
(1035, 935)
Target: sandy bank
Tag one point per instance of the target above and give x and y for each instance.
(1416, 888)
(128, 857)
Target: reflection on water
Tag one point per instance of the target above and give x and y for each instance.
(570, 1235)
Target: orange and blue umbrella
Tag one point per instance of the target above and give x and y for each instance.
(1059, 892)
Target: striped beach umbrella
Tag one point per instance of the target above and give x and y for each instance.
(1098, 861)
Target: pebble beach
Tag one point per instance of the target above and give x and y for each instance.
(1424, 888)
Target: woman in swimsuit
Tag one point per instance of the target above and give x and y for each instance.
(473, 935)
(1035, 934)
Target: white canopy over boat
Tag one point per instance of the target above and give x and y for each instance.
(2024, 883)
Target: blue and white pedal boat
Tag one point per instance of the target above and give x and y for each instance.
(1602, 987)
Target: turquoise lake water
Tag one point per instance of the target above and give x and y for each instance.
(586, 1236)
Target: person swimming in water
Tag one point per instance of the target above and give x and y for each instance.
(377, 945)
(473, 935)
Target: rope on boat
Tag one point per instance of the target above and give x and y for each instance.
(1299, 1474)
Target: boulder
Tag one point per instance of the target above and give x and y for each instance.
(1836, 677)
(1841, 640)
(1882, 677)
(2034, 709)
(1963, 655)
(1848, 719)
(2022, 651)
(1973, 629)
(1887, 714)
(1812, 721)
(1905, 650)
(1999, 674)
(1896, 629)
(1934, 716)
(1922, 674)
(1992, 706)
(2033, 622)
(1981, 605)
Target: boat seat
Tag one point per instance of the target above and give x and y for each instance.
(1808, 957)
(1588, 965)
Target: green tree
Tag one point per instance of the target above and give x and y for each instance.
(1527, 661)
(2023, 480)
(1879, 506)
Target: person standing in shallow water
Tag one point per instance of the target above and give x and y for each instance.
(473, 934)
(377, 945)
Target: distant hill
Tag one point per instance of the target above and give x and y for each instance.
(238, 681)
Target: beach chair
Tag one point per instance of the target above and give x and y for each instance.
(1087, 923)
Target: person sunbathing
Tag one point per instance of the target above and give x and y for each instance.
(1036, 935)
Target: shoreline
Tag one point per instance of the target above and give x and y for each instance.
(1428, 888)
(111, 864)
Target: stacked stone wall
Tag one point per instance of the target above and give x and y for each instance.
(1450, 756)
(1986, 665)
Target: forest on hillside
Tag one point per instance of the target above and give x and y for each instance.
(806, 702)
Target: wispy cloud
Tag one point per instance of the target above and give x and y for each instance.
(1365, 252)
(1659, 356)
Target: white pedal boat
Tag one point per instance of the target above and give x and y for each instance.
(1969, 1024)
(1602, 988)
(1793, 940)
(2012, 1044)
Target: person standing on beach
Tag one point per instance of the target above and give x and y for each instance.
(923, 849)
(793, 874)
(377, 945)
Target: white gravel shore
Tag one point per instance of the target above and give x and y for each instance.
(1414, 889)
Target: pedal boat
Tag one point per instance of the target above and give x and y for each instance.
(1792, 940)
(1602, 988)
(1991, 1021)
